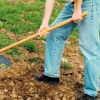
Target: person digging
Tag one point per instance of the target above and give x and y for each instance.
(89, 43)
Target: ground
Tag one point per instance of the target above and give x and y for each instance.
(17, 82)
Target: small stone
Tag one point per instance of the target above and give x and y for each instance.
(63, 60)
(5, 90)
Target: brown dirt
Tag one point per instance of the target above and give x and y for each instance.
(17, 82)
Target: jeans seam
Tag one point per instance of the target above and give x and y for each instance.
(92, 48)
(54, 50)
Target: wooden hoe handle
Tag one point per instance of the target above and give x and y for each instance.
(36, 35)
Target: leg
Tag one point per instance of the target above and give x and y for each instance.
(54, 47)
(55, 42)
(89, 43)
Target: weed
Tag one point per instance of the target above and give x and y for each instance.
(74, 34)
(81, 54)
(16, 57)
(69, 80)
(15, 54)
(30, 46)
(31, 60)
(66, 66)
(13, 51)
(41, 38)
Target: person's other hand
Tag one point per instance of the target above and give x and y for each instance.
(76, 17)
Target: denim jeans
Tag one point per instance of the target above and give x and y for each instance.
(89, 43)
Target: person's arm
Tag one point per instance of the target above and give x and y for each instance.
(48, 10)
(47, 14)
(77, 11)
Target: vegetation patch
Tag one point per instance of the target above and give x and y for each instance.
(66, 66)
(30, 46)
(5, 41)
(31, 60)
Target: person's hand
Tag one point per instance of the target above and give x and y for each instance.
(42, 30)
(76, 17)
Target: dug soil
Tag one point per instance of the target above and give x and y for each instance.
(17, 82)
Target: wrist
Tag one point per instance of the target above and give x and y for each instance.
(45, 22)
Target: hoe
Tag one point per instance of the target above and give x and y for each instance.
(4, 62)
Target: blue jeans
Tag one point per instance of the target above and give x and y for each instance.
(89, 43)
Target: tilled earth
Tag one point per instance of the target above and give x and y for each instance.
(17, 82)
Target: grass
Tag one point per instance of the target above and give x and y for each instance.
(66, 66)
(30, 46)
(13, 51)
(31, 60)
(1, 24)
(81, 54)
(16, 55)
(5, 41)
(12, 15)
(74, 34)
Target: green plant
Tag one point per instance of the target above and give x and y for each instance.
(69, 80)
(41, 38)
(5, 41)
(62, 1)
(13, 51)
(81, 54)
(16, 57)
(74, 34)
(66, 65)
(31, 60)
(30, 46)
(1, 24)
(15, 54)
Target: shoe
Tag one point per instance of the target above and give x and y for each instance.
(46, 79)
(88, 97)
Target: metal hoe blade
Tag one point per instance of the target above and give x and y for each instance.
(4, 62)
